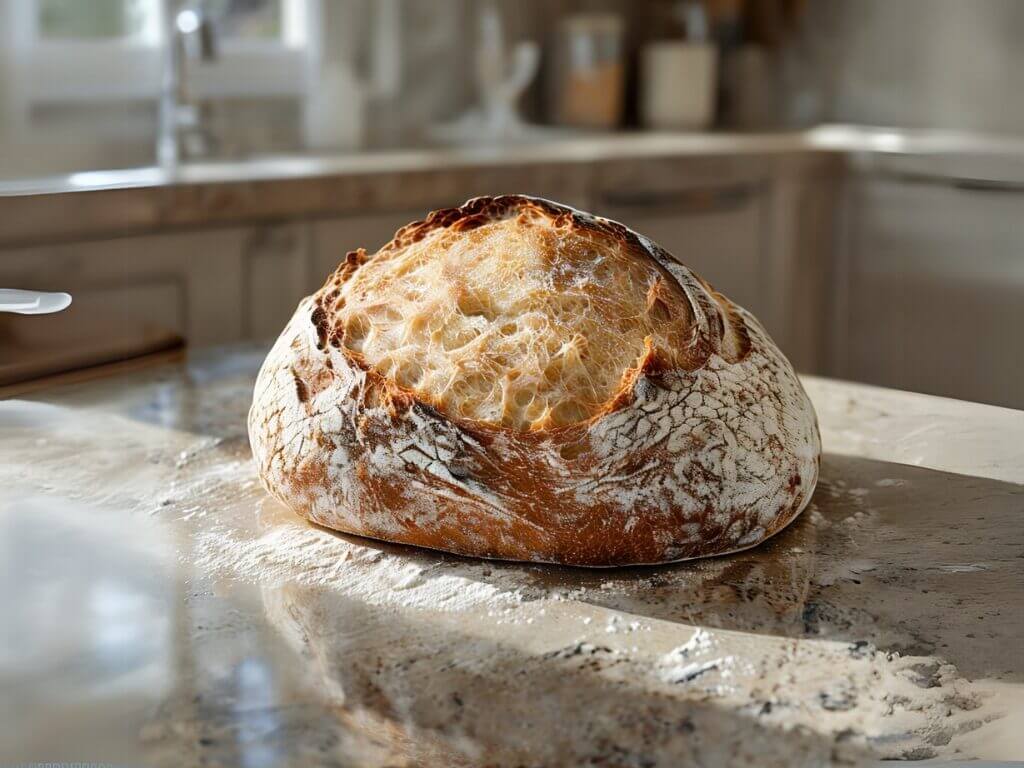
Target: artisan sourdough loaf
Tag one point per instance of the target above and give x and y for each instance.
(517, 379)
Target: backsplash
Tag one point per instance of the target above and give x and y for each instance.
(944, 64)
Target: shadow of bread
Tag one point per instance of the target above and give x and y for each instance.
(407, 633)
(410, 689)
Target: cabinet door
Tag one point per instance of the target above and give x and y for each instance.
(936, 289)
(276, 267)
(189, 284)
(718, 231)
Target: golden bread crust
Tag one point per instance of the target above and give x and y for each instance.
(694, 437)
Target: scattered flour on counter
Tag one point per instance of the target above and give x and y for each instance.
(212, 494)
(682, 664)
(962, 568)
(616, 624)
(298, 553)
(701, 641)
(839, 570)
(890, 482)
(684, 673)
(196, 491)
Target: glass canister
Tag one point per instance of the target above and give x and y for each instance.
(591, 71)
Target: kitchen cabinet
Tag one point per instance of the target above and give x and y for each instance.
(186, 283)
(734, 220)
(219, 285)
(208, 286)
(276, 274)
(934, 287)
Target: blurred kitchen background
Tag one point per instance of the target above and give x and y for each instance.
(852, 171)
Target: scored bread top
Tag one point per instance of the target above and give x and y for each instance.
(510, 312)
(518, 379)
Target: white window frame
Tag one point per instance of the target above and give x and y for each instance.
(40, 71)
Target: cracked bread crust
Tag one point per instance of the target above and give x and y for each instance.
(705, 442)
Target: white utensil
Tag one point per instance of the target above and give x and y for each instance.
(32, 302)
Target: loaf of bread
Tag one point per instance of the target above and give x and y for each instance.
(520, 380)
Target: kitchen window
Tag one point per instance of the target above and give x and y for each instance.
(95, 20)
(71, 69)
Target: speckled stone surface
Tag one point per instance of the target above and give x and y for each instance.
(103, 203)
(161, 610)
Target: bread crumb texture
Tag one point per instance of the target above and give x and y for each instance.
(523, 321)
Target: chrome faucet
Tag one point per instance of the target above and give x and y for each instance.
(183, 129)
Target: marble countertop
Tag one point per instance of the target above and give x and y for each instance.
(284, 187)
(101, 203)
(582, 148)
(574, 149)
(585, 148)
(160, 609)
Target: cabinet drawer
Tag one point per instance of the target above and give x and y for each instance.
(190, 283)
(936, 290)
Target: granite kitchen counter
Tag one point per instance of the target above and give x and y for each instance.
(160, 609)
(285, 187)
(282, 187)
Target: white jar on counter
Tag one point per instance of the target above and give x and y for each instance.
(677, 85)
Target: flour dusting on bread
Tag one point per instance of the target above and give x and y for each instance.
(517, 379)
(525, 321)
